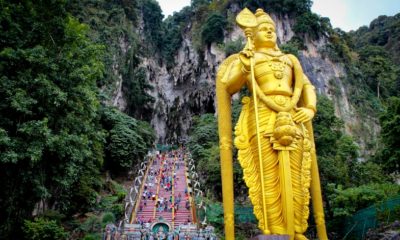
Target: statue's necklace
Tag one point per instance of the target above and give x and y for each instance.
(276, 64)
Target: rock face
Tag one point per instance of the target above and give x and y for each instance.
(188, 88)
(185, 90)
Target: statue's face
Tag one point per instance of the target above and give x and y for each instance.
(265, 35)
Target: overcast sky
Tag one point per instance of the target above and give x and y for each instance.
(345, 14)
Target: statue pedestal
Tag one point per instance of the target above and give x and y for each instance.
(271, 237)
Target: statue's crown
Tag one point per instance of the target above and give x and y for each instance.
(263, 17)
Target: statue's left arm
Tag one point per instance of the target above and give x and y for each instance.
(308, 95)
(307, 109)
(309, 101)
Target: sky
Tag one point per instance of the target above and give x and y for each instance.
(352, 14)
(345, 14)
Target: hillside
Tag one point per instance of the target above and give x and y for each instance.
(384, 32)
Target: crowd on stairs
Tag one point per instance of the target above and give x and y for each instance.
(165, 208)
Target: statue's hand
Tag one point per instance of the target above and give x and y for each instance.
(244, 57)
(303, 115)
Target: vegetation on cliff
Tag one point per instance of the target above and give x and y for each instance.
(383, 32)
(114, 24)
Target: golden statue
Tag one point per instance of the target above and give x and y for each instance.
(274, 135)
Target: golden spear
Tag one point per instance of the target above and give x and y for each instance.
(247, 21)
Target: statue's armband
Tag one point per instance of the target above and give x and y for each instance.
(230, 74)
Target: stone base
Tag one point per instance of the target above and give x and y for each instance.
(271, 237)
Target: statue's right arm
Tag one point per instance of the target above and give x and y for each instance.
(233, 76)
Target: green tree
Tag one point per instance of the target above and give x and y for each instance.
(290, 7)
(348, 184)
(42, 229)
(152, 18)
(128, 139)
(172, 35)
(213, 28)
(379, 71)
(203, 144)
(337, 152)
(312, 24)
(383, 32)
(389, 154)
(327, 127)
(49, 129)
(135, 89)
(204, 148)
(196, 3)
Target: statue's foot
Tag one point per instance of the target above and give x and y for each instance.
(299, 236)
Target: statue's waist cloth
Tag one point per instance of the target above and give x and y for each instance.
(286, 169)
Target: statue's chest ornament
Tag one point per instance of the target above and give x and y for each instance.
(277, 66)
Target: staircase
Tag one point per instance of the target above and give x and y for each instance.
(165, 193)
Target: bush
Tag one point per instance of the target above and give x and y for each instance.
(92, 236)
(292, 47)
(106, 202)
(345, 202)
(118, 210)
(43, 229)
(107, 218)
(91, 225)
(53, 215)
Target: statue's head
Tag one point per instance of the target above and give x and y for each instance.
(265, 33)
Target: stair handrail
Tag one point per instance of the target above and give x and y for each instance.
(196, 188)
(133, 196)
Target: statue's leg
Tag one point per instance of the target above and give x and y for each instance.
(301, 195)
(271, 185)
(296, 157)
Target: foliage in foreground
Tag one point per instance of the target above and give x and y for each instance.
(128, 139)
(43, 229)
